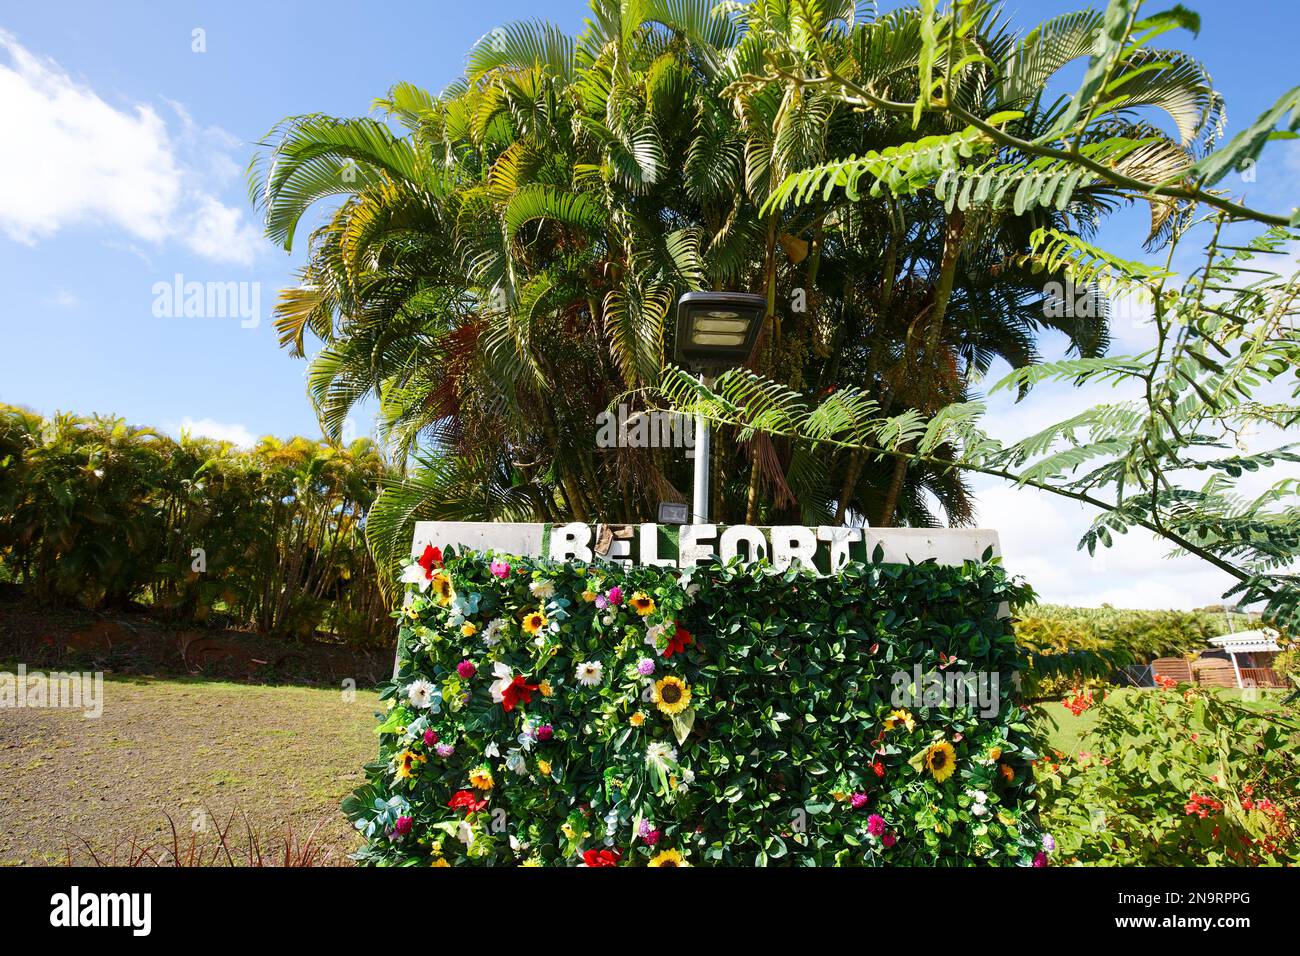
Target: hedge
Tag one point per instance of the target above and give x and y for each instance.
(560, 714)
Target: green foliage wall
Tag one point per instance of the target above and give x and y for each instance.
(788, 749)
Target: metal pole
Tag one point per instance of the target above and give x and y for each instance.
(700, 489)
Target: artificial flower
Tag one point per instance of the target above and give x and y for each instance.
(542, 590)
(677, 643)
(468, 629)
(510, 689)
(887, 840)
(534, 621)
(408, 762)
(544, 767)
(420, 693)
(602, 857)
(421, 573)
(660, 752)
(465, 799)
(445, 750)
(545, 688)
(645, 667)
(1008, 774)
(637, 719)
(590, 673)
(544, 732)
(499, 569)
(941, 761)
(615, 595)
(671, 695)
(442, 589)
(876, 825)
(466, 669)
(667, 858)
(492, 636)
(897, 717)
(858, 800)
(589, 596)
(481, 779)
(430, 738)
(441, 861)
(642, 603)
(403, 826)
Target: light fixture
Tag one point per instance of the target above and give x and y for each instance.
(715, 331)
(718, 330)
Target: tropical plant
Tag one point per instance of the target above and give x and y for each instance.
(1224, 336)
(101, 513)
(504, 268)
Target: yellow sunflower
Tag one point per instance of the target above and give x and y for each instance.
(442, 589)
(672, 696)
(642, 603)
(667, 858)
(534, 621)
(903, 717)
(941, 761)
(408, 761)
(481, 779)
(637, 719)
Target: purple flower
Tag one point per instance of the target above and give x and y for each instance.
(876, 825)
(499, 568)
(1048, 843)
(544, 732)
(466, 669)
(602, 602)
(445, 750)
(1040, 859)
(430, 738)
(616, 595)
(645, 828)
(645, 667)
(858, 800)
(403, 826)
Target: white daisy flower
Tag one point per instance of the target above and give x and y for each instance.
(590, 673)
(542, 589)
(492, 635)
(420, 693)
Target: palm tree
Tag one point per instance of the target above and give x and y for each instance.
(503, 269)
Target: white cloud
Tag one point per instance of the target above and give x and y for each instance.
(64, 299)
(222, 431)
(72, 159)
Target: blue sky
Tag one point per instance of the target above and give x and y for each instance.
(123, 165)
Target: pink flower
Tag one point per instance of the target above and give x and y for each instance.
(1040, 858)
(445, 750)
(403, 826)
(499, 568)
(876, 825)
(651, 837)
(858, 801)
(616, 595)
(645, 667)
(544, 732)
(466, 669)
(888, 840)
(430, 738)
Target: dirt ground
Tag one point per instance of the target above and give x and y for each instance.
(194, 749)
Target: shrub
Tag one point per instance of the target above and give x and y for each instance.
(559, 714)
(1178, 777)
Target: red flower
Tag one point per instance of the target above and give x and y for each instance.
(465, 799)
(602, 857)
(677, 643)
(432, 558)
(516, 692)
(879, 768)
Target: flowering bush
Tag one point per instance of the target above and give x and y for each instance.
(561, 714)
(1178, 776)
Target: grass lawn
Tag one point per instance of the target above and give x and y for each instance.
(285, 756)
(1065, 731)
